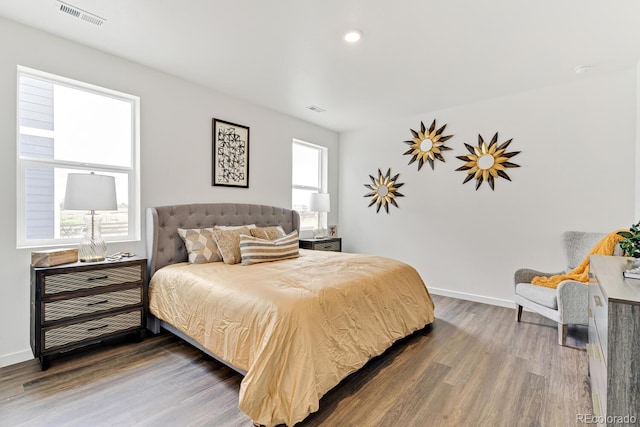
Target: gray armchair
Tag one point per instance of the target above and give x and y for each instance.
(568, 303)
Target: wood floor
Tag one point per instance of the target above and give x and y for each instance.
(475, 366)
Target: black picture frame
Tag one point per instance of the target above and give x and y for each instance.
(230, 149)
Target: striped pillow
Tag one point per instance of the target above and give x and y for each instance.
(255, 250)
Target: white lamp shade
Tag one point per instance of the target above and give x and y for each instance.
(320, 202)
(90, 192)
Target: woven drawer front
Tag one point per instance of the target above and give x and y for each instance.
(90, 304)
(328, 246)
(91, 279)
(91, 329)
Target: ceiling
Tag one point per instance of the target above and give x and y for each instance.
(415, 56)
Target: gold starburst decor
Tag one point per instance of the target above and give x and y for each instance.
(384, 190)
(427, 145)
(487, 162)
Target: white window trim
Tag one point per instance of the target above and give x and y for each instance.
(323, 179)
(23, 162)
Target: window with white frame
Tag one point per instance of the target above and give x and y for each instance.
(67, 126)
(309, 175)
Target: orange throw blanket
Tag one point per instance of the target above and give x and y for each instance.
(581, 272)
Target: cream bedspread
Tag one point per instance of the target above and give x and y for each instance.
(297, 327)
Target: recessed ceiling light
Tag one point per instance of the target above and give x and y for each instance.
(353, 36)
(582, 69)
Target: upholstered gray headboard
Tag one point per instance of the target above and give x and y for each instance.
(165, 247)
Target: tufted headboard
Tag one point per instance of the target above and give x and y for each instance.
(165, 247)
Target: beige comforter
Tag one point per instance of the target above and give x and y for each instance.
(297, 327)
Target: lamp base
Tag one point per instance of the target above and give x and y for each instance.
(319, 233)
(92, 247)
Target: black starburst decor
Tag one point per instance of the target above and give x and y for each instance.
(384, 190)
(487, 162)
(427, 145)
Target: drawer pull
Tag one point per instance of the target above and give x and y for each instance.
(598, 301)
(91, 279)
(97, 327)
(590, 313)
(104, 301)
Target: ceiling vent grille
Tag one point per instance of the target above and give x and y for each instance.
(80, 14)
(316, 109)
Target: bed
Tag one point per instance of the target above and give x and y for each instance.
(294, 327)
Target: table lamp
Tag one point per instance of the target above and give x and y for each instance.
(319, 202)
(93, 193)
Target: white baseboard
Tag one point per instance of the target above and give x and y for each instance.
(472, 297)
(17, 357)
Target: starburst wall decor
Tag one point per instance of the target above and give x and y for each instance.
(384, 190)
(427, 145)
(486, 163)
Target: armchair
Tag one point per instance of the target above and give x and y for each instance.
(568, 303)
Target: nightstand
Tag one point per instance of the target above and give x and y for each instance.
(326, 244)
(74, 305)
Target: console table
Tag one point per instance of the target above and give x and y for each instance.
(614, 340)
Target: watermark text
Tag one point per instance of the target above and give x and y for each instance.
(605, 419)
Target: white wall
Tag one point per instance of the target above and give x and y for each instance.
(175, 151)
(577, 173)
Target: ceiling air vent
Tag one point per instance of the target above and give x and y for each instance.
(79, 13)
(316, 109)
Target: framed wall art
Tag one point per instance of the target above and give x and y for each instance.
(230, 154)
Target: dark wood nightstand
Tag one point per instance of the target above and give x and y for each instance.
(74, 305)
(327, 244)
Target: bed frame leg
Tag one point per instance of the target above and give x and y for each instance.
(153, 324)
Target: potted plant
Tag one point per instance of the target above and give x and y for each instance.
(630, 243)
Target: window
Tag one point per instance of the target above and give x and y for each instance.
(309, 166)
(68, 126)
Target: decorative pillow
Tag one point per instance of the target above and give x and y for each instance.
(228, 242)
(255, 250)
(200, 245)
(233, 227)
(268, 233)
